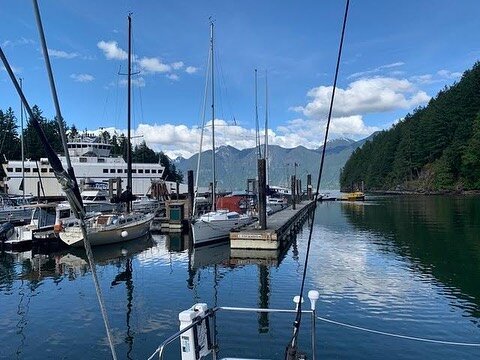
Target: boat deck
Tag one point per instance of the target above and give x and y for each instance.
(279, 226)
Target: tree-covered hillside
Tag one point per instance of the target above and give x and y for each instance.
(434, 149)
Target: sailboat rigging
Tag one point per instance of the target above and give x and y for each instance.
(65, 178)
(216, 224)
(115, 227)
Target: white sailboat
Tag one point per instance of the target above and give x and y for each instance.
(216, 224)
(112, 228)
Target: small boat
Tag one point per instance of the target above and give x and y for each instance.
(14, 209)
(354, 196)
(97, 200)
(41, 227)
(276, 204)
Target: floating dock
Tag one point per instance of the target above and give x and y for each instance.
(279, 226)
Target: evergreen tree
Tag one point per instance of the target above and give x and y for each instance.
(10, 144)
(435, 148)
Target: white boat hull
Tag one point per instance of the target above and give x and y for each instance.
(205, 232)
(73, 236)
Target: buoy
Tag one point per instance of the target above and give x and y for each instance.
(124, 233)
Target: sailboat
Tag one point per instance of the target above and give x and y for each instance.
(216, 224)
(112, 228)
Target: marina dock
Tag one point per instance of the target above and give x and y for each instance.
(279, 226)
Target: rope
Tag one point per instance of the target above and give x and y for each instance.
(406, 337)
(291, 347)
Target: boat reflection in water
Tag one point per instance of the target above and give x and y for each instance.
(76, 259)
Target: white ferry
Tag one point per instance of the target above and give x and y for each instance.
(91, 160)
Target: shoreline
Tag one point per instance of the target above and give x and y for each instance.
(424, 192)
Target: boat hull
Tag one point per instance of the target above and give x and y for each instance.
(73, 236)
(208, 232)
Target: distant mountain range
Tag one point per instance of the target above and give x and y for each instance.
(235, 166)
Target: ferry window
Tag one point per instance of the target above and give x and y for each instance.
(10, 169)
(154, 171)
(134, 171)
(84, 145)
(101, 198)
(105, 171)
(112, 171)
(140, 171)
(147, 171)
(83, 160)
(101, 160)
(64, 214)
(27, 169)
(119, 171)
(50, 170)
(43, 170)
(35, 170)
(18, 170)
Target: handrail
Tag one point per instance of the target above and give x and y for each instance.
(260, 310)
(175, 336)
(211, 312)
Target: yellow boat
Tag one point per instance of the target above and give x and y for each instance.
(354, 196)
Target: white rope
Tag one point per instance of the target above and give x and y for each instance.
(398, 335)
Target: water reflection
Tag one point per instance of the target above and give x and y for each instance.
(439, 235)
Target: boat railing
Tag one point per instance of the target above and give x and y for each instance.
(207, 317)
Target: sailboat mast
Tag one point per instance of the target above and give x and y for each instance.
(22, 144)
(214, 170)
(257, 126)
(129, 90)
(266, 128)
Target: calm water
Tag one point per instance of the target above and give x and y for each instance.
(407, 265)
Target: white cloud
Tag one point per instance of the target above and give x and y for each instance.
(61, 54)
(191, 69)
(173, 77)
(181, 140)
(447, 74)
(82, 77)
(112, 51)
(372, 95)
(376, 70)
(17, 42)
(138, 82)
(153, 65)
(438, 77)
(177, 65)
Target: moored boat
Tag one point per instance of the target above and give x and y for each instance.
(216, 225)
(108, 229)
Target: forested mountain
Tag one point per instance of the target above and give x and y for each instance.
(435, 148)
(10, 143)
(235, 166)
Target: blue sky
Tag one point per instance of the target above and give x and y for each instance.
(396, 56)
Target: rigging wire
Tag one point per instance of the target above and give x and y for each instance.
(406, 337)
(203, 115)
(222, 81)
(291, 347)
